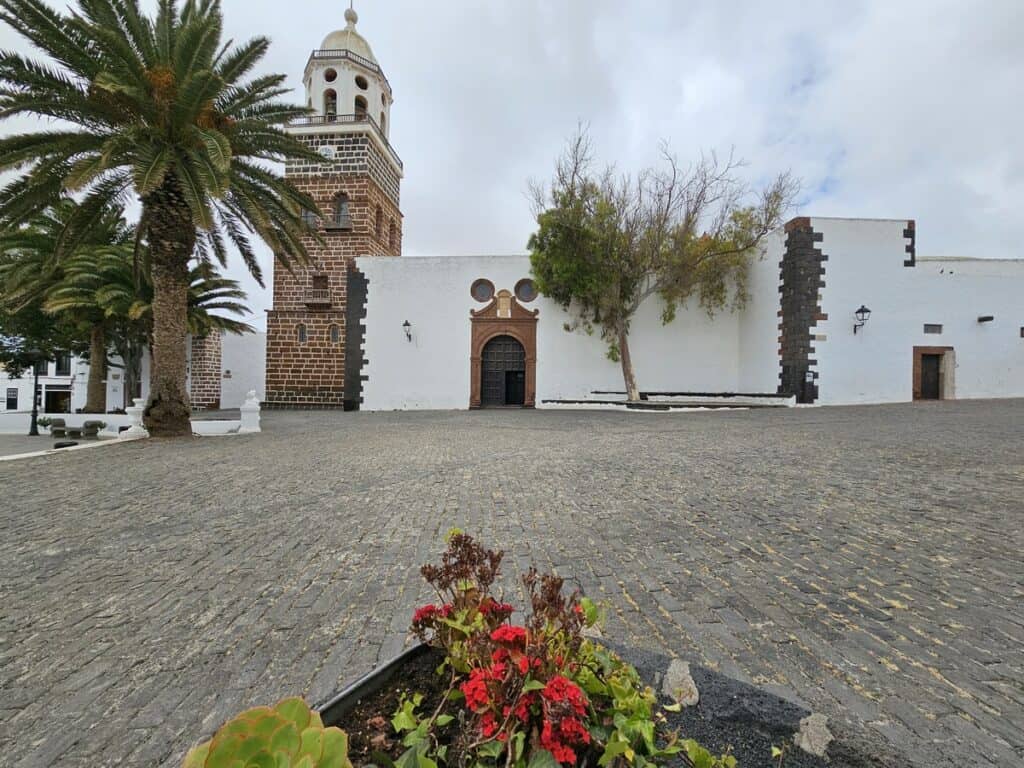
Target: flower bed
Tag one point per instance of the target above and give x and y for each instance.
(483, 691)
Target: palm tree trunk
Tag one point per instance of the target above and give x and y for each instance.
(628, 375)
(171, 242)
(96, 389)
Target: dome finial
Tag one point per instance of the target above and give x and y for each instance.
(351, 16)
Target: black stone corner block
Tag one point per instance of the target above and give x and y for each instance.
(910, 233)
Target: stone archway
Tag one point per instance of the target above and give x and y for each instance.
(503, 317)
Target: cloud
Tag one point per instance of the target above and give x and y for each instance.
(909, 109)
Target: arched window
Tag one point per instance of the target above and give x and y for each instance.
(335, 334)
(341, 217)
(300, 333)
(360, 107)
(383, 123)
(392, 235)
(330, 103)
(378, 224)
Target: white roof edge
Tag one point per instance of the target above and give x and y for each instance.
(968, 258)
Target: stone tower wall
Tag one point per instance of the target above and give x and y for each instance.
(205, 371)
(312, 374)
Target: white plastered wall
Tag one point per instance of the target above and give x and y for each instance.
(693, 354)
(875, 365)
(243, 367)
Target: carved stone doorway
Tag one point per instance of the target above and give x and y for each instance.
(503, 373)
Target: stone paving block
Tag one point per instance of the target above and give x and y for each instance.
(856, 557)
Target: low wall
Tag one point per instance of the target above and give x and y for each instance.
(18, 422)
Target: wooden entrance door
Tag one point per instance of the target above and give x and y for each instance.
(931, 372)
(934, 368)
(503, 372)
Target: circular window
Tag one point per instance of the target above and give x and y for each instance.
(330, 75)
(526, 291)
(361, 82)
(482, 290)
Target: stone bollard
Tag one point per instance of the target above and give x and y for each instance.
(250, 414)
(136, 429)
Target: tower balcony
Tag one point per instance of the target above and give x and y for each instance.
(346, 123)
(338, 221)
(318, 297)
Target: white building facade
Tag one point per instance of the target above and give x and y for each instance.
(936, 329)
(232, 366)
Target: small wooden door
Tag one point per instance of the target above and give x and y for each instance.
(931, 377)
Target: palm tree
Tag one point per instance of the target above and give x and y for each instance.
(29, 275)
(109, 279)
(161, 108)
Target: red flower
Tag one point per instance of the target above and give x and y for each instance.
(522, 709)
(501, 654)
(562, 689)
(475, 690)
(509, 635)
(550, 741)
(573, 730)
(524, 665)
(424, 613)
(488, 725)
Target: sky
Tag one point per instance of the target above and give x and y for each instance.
(884, 109)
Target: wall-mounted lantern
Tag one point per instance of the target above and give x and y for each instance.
(862, 316)
(407, 327)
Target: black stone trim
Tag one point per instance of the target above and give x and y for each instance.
(355, 335)
(910, 233)
(802, 276)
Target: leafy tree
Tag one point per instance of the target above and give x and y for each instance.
(162, 108)
(29, 335)
(606, 243)
(29, 274)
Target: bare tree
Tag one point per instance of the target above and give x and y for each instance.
(606, 242)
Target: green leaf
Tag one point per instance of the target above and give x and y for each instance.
(408, 759)
(335, 754)
(590, 611)
(612, 750)
(677, 707)
(443, 720)
(150, 169)
(776, 752)
(533, 685)
(403, 721)
(541, 758)
(491, 749)
(295, 710)
(218, 148)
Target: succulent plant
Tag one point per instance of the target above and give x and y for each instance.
(290, 735)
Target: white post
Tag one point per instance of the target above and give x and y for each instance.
(136, 429)
(250, 414)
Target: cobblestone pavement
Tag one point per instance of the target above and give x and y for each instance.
(12, 445)
(865, 560)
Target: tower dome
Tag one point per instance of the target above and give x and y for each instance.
(348, 39)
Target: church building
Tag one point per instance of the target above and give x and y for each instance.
(841, 310)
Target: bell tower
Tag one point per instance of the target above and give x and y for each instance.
(314, 331)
